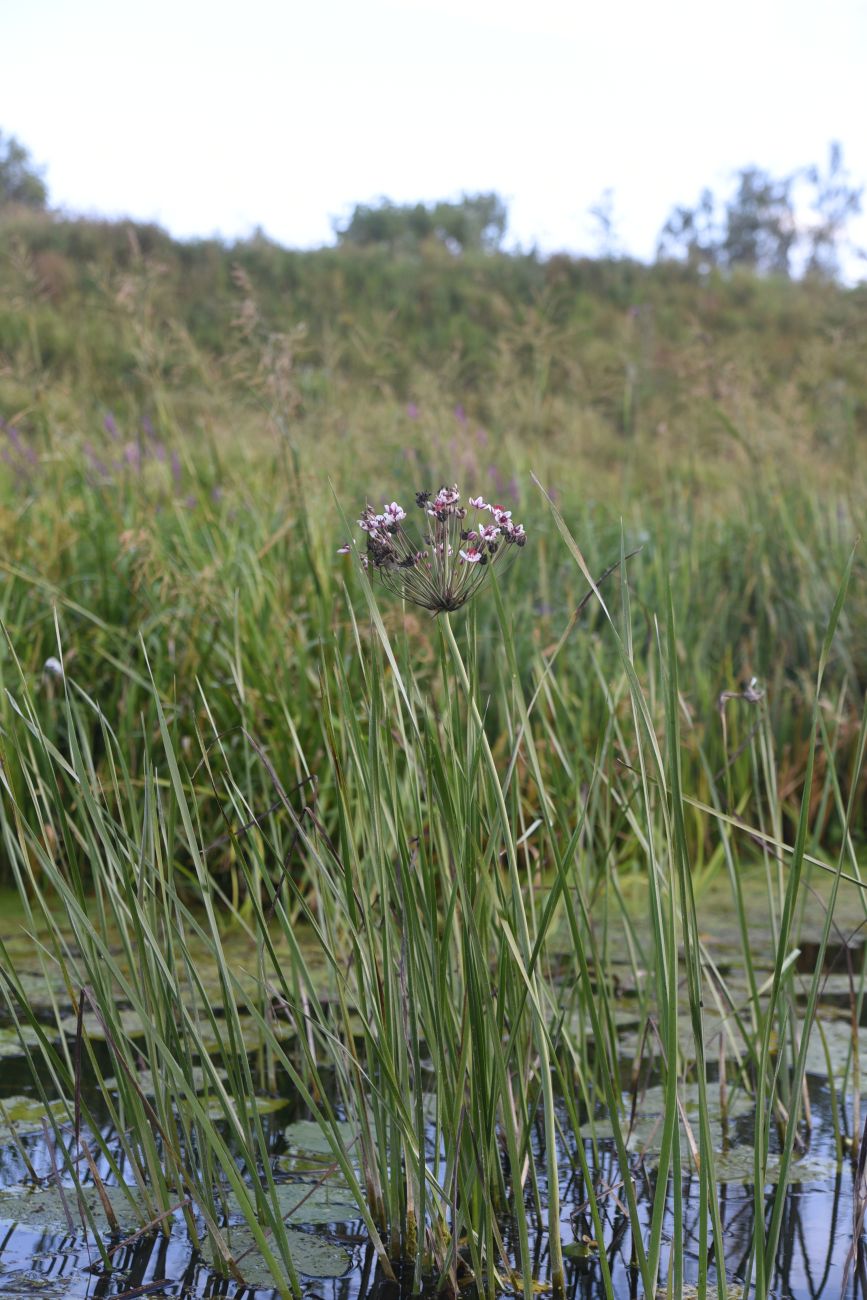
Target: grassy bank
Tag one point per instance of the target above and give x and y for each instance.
(213, 722)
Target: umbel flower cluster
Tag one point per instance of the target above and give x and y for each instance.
(451, 557)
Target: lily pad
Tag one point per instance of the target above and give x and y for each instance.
(308, 1137)
(311, 1202)
(42, 990)
(44, 1207)
(264, 1105)
(630, 1043)
(737, 1166)
(838, 1035)
(145, 1081)
(27, 1114)
(25, 1284)
(313, 1255)
(11, 1045)
(646, 1133)
(130, 1023)
(217, 1039)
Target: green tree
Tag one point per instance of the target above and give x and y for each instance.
(476, 223)
(835, 201)
(692, 234)
(760, 228)
(20, 179)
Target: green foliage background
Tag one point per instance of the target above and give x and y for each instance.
(187, 416)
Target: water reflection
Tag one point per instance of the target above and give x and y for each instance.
(814, 1241)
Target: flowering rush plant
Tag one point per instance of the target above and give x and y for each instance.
(450, 558)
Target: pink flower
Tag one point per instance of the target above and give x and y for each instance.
(429, 568)
(514, 533)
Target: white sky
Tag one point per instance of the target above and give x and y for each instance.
(217, 117)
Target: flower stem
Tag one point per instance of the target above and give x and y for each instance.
(542, 1041)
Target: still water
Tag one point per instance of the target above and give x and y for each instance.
(59, 1261)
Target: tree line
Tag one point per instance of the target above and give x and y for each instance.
(775, 225)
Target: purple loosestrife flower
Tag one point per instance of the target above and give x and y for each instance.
(450, 558)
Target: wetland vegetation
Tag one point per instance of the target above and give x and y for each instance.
(348, 948)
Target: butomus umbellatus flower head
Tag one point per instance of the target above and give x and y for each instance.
(451, 556)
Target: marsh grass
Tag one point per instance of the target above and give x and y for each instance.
(453, 849)
(462, 912)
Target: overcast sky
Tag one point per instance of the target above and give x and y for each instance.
(217, 117)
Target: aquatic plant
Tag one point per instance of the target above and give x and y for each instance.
(444, 882)
(445, 566)
(425, 952)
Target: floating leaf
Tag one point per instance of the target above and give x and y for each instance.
(130, 1023)
(145, 1081)
(43, 1207)
(42, 990)
(264, 1105)
(645, 1136)
(312, 1255)
(311, 1202)
(737, 1166)
(11, 1045)
(838, 1035)
(27, 1114)
(24, 1284)
(306, 1136)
